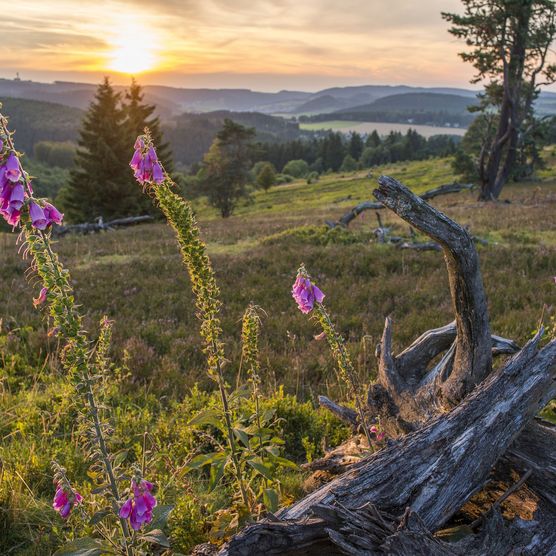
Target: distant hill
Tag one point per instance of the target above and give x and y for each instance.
(36, 121)
(191, 135)
(414, 108)
(411, 102)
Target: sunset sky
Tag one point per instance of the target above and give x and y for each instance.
(262, 45)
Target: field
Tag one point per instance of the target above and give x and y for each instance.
(382, 128)
(136, 278)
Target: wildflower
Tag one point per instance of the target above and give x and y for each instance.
(306, 293)
(10, 215)
(38, 217)
(53, 215)
(17, 196)
(138, 507)
(379, 435)
(42, 297)
(65, 499)
(13, 170)
(145, 164)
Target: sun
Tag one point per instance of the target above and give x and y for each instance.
(133, 50)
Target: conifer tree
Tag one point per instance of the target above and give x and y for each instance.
(100, 185)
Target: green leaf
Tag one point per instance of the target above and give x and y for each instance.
(206, 417)
(270, 499)
(99, 516)
(216, 473)
(156, 536)
(242, 436)
(99, 490)
(260, 467)
(160, 516)
(86, 546)
(284, 462)
(120, 458)
(200, 461)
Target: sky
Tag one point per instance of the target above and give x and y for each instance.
(256, 44)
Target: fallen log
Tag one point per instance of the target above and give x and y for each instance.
(353, 213)
(99, 226)
(450, 418)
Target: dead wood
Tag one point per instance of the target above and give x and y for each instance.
(454, 425)
(99, 226)
(353, 213)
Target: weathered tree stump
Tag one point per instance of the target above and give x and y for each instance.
(453, 423)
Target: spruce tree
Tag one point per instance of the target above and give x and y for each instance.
(100, 184)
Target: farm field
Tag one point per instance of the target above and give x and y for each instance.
(135, 277)
(382, 128)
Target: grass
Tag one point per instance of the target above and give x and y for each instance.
(382, 128)
(135, 276)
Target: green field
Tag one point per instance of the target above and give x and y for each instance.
(382, 128)
(136, 278)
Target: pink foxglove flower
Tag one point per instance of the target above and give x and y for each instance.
(17, 196)
(138, 508)
(38, 218)
(306, 293)
(53, 215)
(13, 170)
(146, 165)
(65, 500)
(42, 297)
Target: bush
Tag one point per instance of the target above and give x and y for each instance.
(296, 168)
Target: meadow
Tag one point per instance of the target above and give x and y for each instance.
(159, 379)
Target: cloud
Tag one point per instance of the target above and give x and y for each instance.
(361, 40)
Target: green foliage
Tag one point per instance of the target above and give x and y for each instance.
(225, 167)
(507, 44)
(266, 178)
(52, 153)
(349, 164)
(296, 168)
(37, 121)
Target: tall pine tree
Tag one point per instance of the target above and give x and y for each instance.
(100, 184)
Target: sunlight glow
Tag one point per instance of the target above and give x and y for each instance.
(134, 50)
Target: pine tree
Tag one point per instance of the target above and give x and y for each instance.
(355, 145)
(100, 184)
(226, 167)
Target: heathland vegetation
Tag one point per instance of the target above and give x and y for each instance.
(160, 384)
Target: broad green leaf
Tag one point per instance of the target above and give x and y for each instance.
(160, 516)
(156, 536)
(86, 546)
(200, 461)
(284, 462)
(99, 516)
(206, 417)
(120, 458)
(270, 499)
(216, 473)
(261, 468)
(242, 437)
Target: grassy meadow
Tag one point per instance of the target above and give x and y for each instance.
(382, 128)
(136, 278)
